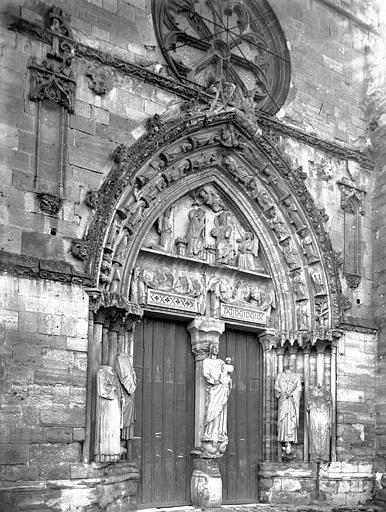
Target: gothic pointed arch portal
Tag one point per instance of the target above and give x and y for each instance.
(202, 219)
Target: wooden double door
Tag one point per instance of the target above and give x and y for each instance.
(164, 428)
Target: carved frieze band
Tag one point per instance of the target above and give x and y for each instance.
(186, 92)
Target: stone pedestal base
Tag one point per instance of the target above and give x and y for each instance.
(106, 488)
(206, 483)
(341, 483)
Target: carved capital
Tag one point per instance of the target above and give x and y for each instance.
(268, 340)
(204, 331)
(321, 346)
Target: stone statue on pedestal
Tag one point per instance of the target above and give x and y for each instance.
(218, 386)
(127, 377)
(288, 390)
(319, 406)
(107, 445)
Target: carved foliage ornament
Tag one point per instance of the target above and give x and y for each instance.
(52, 79)
(232, 48)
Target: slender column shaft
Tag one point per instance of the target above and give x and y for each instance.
(306, 392)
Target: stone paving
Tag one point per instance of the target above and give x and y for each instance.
(260, 507)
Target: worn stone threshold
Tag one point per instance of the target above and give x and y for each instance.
(264, 507)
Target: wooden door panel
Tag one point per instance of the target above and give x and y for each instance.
(239, 466)
(164, 428)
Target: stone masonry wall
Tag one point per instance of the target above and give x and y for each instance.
(43, 328)
(44, 324)
(355, 398)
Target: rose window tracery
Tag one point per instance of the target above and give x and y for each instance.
(238, 42)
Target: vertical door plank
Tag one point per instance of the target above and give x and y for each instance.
(157, 407)
(165, 401)
(244, 417)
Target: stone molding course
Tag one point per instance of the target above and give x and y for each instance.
(188, 93)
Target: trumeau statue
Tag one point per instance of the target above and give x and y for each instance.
(288, 390)
(217, 374)
(319, 405)
(107, 445)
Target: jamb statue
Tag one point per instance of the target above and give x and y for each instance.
(107, 445)
(319, 406)
(288, 390)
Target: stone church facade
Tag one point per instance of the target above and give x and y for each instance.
(192, 218)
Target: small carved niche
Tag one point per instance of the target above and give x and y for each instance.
(352, 204)
(52, 87)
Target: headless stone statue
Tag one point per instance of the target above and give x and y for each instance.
(319, 406)
(288, 390)
(107, 445)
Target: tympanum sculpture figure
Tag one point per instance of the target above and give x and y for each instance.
(222, 233)
(107, 445)
(196, 233)
(319, 406)
(247, 251)
(288, 390)
(165, 230)
(218, 386)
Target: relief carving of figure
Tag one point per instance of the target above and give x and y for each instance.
(288, 390)
(116, 227)
(263, 299)
(319, 406)
(228, 138)
(222, 233)
(259, 194)
(301, 317)
(217, 375)
(308, 248)
(298, 284)
(209, 196)
(165, 230)
(247, 251)
(107, 444)
(277, 225)
(289, 255)
(128, 380)
(196, 232)
(318, 283)
(135, 213)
